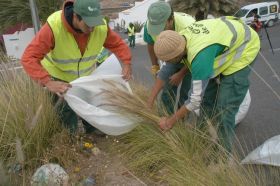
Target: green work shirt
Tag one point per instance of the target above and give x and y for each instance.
(147, 37)
(202, 65)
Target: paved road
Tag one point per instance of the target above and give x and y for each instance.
(263, 118)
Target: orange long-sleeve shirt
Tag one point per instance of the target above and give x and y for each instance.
(44, 42)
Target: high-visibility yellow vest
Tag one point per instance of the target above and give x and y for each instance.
(65, 61)
(241, 43)
(103, 55)
(181, 21)
(131, 31)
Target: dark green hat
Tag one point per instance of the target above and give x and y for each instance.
(90, 12)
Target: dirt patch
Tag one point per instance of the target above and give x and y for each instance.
(101, 166)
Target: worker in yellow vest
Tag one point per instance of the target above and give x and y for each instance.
(218, 53)
(66, 48)
(161, 17)
(131, 35)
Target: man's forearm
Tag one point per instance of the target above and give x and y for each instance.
(156, 89)
(152, 54)
(116, 45)
(180, 114)
(184, 70)
(42, 43)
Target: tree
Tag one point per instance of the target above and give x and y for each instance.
(201, 8)
(18, 11)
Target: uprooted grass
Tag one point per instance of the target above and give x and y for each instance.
(183, 156)
(28, 125)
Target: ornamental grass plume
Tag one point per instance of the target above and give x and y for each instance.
(182, 156)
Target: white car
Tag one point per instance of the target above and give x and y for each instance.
(267, 11)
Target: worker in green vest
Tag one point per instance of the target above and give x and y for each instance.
(66, 48)
(161, 17)
(218, 53)
(131, 35)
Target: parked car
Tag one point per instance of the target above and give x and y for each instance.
(268, 12)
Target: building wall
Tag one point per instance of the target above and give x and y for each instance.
(137, 13)
(16, 43)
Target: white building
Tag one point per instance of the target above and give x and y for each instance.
(136, 13)
(16, 43)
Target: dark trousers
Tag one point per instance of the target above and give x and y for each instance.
(131, 40)
(68, 117)
(221, 103)
(168, 96)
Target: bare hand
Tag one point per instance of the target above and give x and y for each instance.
(126, 72)
(176, 79)
(58, 87)
(165, 124)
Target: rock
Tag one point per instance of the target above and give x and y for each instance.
(50, 174)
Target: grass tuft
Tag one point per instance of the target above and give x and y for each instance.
(185, 155)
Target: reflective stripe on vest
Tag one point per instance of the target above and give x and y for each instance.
(65, 61)
(241, 43)
(181, 21)
(239, 50)
(75, 72)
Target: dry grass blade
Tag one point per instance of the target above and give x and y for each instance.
(212, 131)
(5, 121)
(124, 102)
(19, 151)
(3, 175)
(34, 121)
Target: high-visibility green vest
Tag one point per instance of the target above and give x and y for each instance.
(241, 43)
(131, 31)
(65, 61)
(181, 21)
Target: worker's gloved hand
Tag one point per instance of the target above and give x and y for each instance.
(154, 69)
(126, 72)
(58, 87)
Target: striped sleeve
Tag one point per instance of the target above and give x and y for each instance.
(196, 94)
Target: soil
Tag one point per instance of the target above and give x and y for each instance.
(104, 167)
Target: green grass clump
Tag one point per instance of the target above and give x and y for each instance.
(27, 119)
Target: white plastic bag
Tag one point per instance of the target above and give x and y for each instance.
(240, 115)
(86, 100)
(243, 108)
(268, 153)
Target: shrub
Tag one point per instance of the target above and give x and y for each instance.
(138, 26)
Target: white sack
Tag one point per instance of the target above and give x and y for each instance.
(243, 108)
(85, 99)
(268, 153)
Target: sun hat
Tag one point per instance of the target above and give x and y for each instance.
(169, 45)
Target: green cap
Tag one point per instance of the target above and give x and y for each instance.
(158, 14)
(89, 10)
